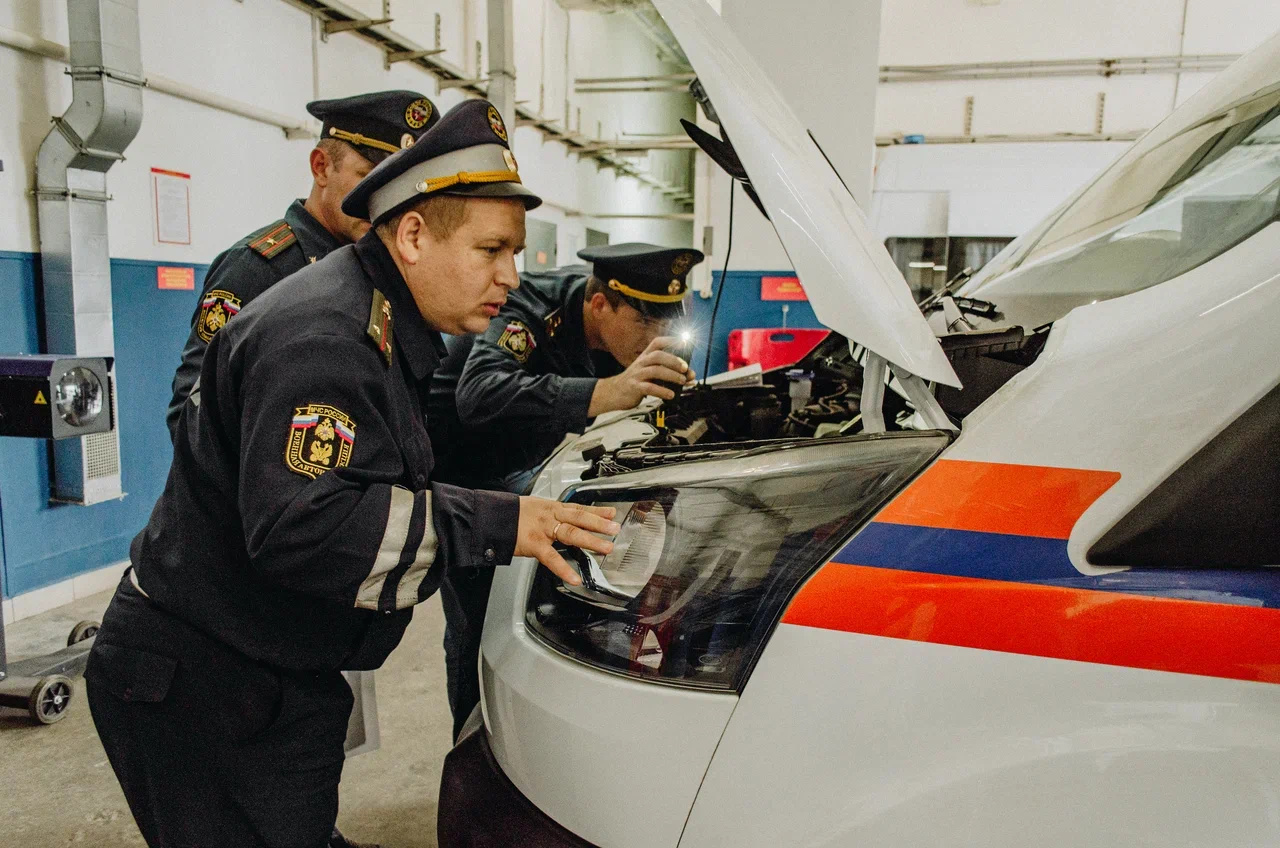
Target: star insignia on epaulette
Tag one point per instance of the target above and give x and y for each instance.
(380, 327)
(553, 321)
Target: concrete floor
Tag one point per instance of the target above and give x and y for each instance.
(59, 788)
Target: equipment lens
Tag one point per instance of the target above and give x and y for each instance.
(78, 397)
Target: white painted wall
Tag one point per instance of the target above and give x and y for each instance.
(930, 32)
(979, 189)
(245, 173)
(822, 57)
(1003, 189)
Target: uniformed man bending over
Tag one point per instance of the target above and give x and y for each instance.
(356, 134)
(301, 521)
(568, 346)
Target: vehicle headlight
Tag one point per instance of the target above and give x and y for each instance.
(710, 553)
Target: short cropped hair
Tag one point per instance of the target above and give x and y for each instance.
(336, 150)
(443, 214)
(613, 296)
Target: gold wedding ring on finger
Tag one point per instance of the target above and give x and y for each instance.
(555, 533)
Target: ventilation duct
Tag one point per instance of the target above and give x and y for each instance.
(71, 191)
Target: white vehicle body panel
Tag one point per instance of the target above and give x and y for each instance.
(851, 281)
(848, 740)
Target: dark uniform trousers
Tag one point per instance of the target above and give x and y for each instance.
(261, 769)
(499, 404)
(300, 524)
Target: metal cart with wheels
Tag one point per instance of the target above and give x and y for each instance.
(43, 685)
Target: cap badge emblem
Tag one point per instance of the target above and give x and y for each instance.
(495, 123)
(510, 159)
(674, 288)
(406, 141)
(682, 264)
(417, 114)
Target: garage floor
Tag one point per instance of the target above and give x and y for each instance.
(59, 788)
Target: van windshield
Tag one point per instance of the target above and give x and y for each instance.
(1165, 212)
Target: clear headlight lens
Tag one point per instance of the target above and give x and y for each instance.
(710, 553)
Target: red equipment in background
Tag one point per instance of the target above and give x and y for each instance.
(771, 347)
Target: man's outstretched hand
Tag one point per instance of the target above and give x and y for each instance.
(544, 522)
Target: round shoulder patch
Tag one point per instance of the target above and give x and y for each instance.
(517, 340)
(418, 113)
(495, 123)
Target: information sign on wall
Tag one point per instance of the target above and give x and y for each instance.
(781, 288)
(172, 193)
(175, 278)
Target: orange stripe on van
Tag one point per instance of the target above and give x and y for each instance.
(1110, 628)
(988, 497)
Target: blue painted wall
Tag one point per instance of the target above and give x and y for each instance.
(44, 543)
(741, 308)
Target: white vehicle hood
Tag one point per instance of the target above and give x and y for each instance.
(852, 283)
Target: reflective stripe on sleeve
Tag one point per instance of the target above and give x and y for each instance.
(405, 556)
(423, 557)
(389, 551)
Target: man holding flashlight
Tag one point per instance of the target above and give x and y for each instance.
(569, 345)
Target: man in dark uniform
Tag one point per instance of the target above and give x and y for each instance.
(301, 521)
(356, 134)
(569, 345)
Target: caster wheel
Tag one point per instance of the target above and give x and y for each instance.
(83, 630)
(50, 699)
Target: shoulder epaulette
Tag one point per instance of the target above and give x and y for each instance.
(553, 321)
(379, 328)
(273, 240)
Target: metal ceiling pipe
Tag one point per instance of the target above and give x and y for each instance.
(293, 127)
(71, 190)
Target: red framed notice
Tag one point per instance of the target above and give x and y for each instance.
(171, 191)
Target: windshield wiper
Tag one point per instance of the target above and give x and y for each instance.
(954, 283)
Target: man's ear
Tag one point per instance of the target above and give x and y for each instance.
(410, 236)
(599, 303)
(320, 167)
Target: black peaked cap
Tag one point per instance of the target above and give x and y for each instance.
(467, 154)
(377, 124)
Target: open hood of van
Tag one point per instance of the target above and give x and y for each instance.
(852, 283)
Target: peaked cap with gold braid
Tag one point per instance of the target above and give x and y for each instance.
(376, 124)
(653, 279)
(466, 154)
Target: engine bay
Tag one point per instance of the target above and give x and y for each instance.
(818, 397)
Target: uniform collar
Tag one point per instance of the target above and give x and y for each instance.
(316, 242)
(423, 347)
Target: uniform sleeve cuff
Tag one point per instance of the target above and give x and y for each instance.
(495, 542)
(574, 402)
